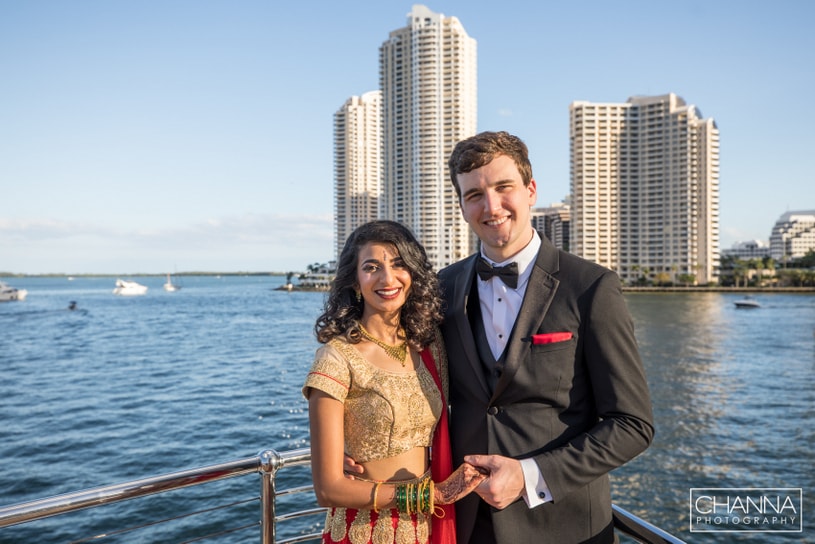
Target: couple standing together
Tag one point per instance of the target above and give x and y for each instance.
(546, 391)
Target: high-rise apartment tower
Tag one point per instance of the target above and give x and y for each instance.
(645, 188)
(357, 164)
(553, 222)
(429, 100)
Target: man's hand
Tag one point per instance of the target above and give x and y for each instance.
(505, 483)
(349, 467)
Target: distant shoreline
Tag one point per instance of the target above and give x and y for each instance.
(720, 289)
(142, 274)
(626, 289)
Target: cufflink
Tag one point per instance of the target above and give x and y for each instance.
(542, 494)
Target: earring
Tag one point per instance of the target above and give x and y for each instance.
(359, 296)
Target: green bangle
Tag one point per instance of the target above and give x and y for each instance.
(401, 495)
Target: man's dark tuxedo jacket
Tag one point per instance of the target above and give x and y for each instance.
(579, 407)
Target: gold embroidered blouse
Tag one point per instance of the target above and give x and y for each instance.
(386, 413)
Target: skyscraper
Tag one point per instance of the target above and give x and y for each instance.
(645, 187)
(553, 222)
(428, 81)
(357, 164)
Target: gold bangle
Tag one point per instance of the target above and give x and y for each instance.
(376, 490)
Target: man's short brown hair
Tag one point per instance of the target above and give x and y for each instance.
(476, 151)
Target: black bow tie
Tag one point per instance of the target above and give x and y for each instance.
(508, 273)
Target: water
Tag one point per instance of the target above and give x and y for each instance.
(734, 399)
(124, 388)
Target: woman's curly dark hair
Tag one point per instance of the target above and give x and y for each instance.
(421, 313)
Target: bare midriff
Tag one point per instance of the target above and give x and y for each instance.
(405, 466)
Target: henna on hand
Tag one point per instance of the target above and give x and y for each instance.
(459, 484)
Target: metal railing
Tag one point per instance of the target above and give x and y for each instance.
(267, 463)
(640, 530)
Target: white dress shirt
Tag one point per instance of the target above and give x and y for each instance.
(500, 306)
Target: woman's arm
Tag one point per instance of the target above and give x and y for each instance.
(333, 488)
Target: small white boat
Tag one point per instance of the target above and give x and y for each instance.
(170, 286)
(127, 288)
(747, 302)
(9, 293)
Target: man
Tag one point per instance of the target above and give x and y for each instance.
(547, 388)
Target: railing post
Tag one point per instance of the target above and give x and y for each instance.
(269, 461)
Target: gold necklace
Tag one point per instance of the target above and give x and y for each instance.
(398, 352)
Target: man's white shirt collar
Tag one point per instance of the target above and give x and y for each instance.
(525, 259)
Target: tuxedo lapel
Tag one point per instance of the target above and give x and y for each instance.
(470, 362)
(538, 297)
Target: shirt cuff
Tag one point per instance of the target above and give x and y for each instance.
(536, 492)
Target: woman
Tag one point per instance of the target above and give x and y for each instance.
(376, 391)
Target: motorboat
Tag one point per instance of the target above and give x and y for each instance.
(170, 286)
(128, 288)
(747, 302)
(9, 293)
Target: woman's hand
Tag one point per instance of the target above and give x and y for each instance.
(506, 482)
(460, 483)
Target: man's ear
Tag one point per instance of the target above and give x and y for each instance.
(533, 192)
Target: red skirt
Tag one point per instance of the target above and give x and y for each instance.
(350, 526)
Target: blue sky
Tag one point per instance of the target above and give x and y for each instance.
(161, 136)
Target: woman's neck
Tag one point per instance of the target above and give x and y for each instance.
(385, 328)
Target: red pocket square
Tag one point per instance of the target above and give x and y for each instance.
(551, 337)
